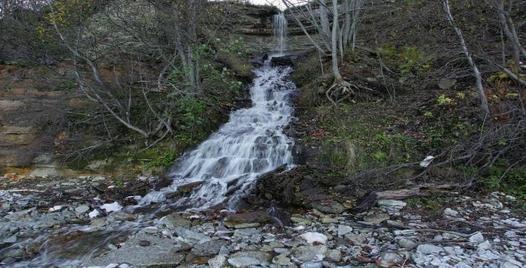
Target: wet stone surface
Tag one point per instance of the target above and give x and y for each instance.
(480, 232)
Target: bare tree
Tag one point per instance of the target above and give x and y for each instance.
(335, 41)
(480, 88)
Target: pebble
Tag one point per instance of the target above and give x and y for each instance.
(451, 213)
(82, 209)
(314, 238)
(476, 238)
(343, 230)
(428, 249)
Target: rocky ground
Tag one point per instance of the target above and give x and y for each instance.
(91, 222)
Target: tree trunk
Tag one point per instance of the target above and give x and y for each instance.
(324, 19)
(334, 42)
(483, 99)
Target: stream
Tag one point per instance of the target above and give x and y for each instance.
(221, 170)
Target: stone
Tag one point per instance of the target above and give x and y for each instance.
(243, 261)
(144, 243)
(300, 220)
(391, 206)
(309, 253)
(217, 261)
(244, 225)
(190, 236)
(247, 218)
(484, 245)
(389, 259)
(446, 83)
(451, 213)
(314, 238)
(509, 264)
(406, 243)
(208, 248)
(9, 105)
(247, 258)
(327, 220)
(93, 214)
(329, 206)
(282, 260)
(343, 230)
(427, 249)
(111, 207)
(334, 255)
(317, 264)
(174, 220)
(376, 217)
(476, 238)
(82, 209)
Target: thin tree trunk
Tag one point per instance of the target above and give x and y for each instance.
(324, 19)
(483, 99)
(334, 41)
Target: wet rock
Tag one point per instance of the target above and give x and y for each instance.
(208, 248)
(309, 253)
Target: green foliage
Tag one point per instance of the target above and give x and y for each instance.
(444, 100)
(236, 46)
(158, 158)
(192, 113)
(220, 79)
(408, 60)
(505, 179)
(375, 147)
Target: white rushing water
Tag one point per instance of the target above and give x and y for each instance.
(279, 25)
(250, 144)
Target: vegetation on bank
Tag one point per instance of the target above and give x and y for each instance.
(415, 97)
(153, 78)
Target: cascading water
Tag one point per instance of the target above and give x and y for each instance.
(250, 144)
(222, 169)
(279, 25)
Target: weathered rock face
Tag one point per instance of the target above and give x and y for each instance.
(31, 114)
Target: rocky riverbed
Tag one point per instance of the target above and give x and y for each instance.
(86, 221)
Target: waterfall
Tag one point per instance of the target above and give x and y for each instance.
(251, 143)
(279, 25)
